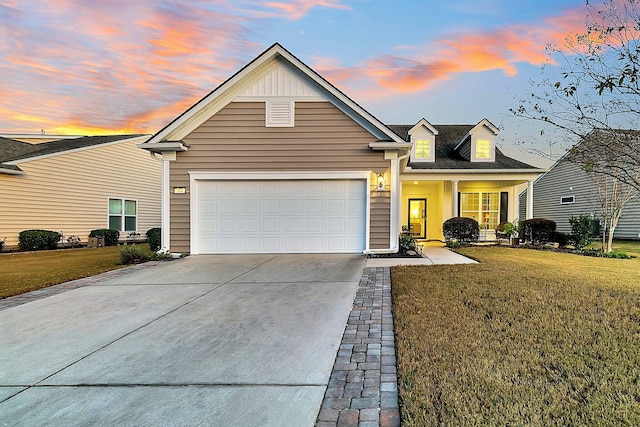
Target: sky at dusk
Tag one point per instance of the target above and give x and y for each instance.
(121, 66)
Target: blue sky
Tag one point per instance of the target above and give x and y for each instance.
(86, 67)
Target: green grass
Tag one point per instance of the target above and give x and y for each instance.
(24, 272)
(523, 338)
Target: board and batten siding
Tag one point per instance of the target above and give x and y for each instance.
(69, 192)
(236, 139)
(568, 179)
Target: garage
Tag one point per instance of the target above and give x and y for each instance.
(279, 216)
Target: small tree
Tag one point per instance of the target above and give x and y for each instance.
(613, 195)
(581, 230)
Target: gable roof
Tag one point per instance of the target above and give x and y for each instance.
(197, 114)
(14, 152)
(447, 158)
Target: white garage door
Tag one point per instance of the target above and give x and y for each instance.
(280, 216)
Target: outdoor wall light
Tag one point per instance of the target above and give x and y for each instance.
(381, 182)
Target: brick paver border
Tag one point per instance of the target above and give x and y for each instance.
(363, 387)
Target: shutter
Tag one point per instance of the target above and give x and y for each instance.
(280, 113)
(504, 206)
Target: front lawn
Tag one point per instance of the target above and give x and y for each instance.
(24, 272)
(523, 338)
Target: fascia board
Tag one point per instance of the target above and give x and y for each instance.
(390, 145)
(6, 171)
(159, 147)
(425, 123)
(76, 150)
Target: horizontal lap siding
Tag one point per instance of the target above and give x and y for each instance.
(70, 192)
(380, 220)
(236, 139)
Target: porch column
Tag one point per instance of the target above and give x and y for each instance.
(454, 198)
(165, 221)
(529, 211)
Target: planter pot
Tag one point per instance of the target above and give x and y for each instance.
(515, 241)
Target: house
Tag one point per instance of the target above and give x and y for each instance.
(276, 159)
(77, 184)
(566, 190)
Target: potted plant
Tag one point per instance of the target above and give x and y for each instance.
(511, 230)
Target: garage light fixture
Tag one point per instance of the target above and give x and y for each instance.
(381, 182)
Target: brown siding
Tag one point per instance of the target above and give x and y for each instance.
(380, 220)
(236, 139)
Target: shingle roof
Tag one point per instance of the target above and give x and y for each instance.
(448, 158)
(11, 150)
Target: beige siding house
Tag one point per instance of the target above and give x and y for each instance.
(75, 185)
(276, 159)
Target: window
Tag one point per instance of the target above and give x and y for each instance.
(123, 214)
(567, 200)
(483, 207)
(483, 149)
(423, 149)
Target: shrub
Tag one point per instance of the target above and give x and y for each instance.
(2, 243)
(35, 240)
(537, 230)
(561, 239)
(581, 230)
(110, 236)
(154, 236)
(462, 229)
(134, 254)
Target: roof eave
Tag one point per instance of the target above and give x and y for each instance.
(390, 145)
(164, 146)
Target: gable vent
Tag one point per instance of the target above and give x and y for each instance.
(280, 113)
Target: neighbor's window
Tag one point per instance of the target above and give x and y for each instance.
(567, 200)
(483, 149)
(423, 149)
(123, 214)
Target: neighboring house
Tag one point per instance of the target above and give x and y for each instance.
(276, 159)
(78, 184)
(566, 191)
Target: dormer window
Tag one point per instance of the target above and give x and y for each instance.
(423, 149)
(483, 149)
(423, 138)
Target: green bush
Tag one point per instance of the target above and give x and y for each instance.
(462, 229)
(537, 230)
(407, 241)
(581, 230)
(134, 254)
(110, 236)
(154, 236)
(561, 239)
(36, 240)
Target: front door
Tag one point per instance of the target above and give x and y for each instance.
(418, 218)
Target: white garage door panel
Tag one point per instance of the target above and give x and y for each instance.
(281, 216)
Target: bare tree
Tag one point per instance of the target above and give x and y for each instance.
(613, 195)
(597, 91)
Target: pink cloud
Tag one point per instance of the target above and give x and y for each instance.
(439, 60)
(297, 9)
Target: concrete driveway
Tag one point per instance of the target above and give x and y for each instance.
(225, 340)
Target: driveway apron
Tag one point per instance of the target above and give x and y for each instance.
(207, 340)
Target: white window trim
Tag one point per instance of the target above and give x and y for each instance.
(492, 150)
(195, 177)
(432, 147)
(122, 215)
(572, 197)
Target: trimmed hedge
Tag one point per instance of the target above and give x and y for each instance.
(462, 229)
(154, 236)
(537, 230)
(36, 240)
(110, 236)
